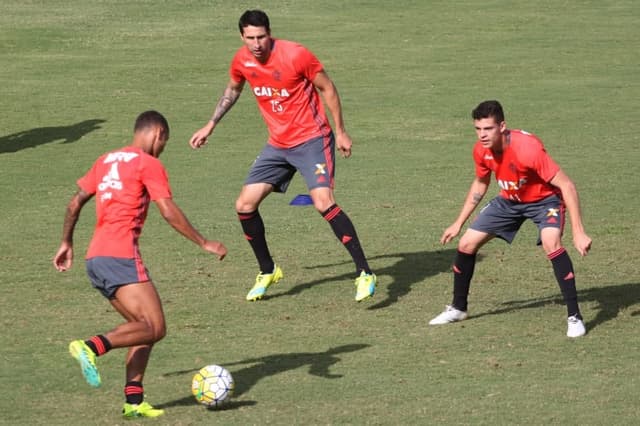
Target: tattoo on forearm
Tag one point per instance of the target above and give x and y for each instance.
(229, 97)
(476, 198)
(70, 220)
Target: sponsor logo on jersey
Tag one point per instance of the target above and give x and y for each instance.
(111, 181)
(512, 187)
(119, 156)
(271, 92)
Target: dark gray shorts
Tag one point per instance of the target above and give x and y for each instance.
(314, 159)
(107, 274)
(503, 218)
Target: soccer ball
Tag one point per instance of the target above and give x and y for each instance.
(212, 386)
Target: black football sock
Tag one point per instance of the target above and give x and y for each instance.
(463, 267)
(253, 228)
(99, 344)
(134, 392)
(346, 233)
(563, 270)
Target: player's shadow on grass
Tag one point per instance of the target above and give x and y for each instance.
(42, 135)
(610, 301)
(319, 364)
(410, 268)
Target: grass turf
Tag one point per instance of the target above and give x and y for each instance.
(76, 74)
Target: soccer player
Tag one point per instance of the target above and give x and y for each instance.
(124, 182)
(285, 79)
(532, 186)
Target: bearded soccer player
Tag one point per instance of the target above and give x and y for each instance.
(285, 79)
(124, 182)
(532, 186)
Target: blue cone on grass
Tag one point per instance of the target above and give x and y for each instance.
(301, 200)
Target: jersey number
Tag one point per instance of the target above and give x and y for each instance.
(276, 106)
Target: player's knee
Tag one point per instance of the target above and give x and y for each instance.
(467, 246)
(157, 331)
(322, 200)
(551, 239)
(156, 327)
(245, 206)
(322, 205)
(551, 246)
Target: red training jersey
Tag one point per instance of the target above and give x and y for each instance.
(523, 169)
(288, 101)
(124, 182)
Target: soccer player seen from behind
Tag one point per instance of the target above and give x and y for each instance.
(532, 186)
(285, 79)
(124, 182)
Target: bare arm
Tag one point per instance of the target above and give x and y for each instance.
(581, 240)
(177, 219)
(227, 100)
(331, 97)
(476, 192)
(63, 259)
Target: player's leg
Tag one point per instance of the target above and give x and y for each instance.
(499, 218)
(270, 172)
(345, 231)
(247, 206)
(253, 227)
(549, 217)
(463, 267)
(107, 274)
(315, 160)
(140, 305)
(565, 276)
(343, 228)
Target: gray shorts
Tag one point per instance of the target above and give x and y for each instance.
(503, 218)
(108, 274)
(314, 159)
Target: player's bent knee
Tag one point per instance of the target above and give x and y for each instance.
(322, 199)
(551, 247)
(156, 331)
(159, 333)
(322, 206)
(468, 247)
(245, 206)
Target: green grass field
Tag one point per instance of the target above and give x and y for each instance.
(74, 76)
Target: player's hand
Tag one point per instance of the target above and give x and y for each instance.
(199, 138)
(63, 259)
(582, 242)
(215, 247)
(344, 142)
(450, 233)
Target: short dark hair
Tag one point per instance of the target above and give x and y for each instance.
(151, 119)
(488, 109)
(255, 18)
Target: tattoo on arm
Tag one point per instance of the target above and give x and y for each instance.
(73, 214)
(476, 198)
(228, 98)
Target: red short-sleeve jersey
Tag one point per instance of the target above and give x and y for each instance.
(288, 101)
(124, 182)
(523, 169)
